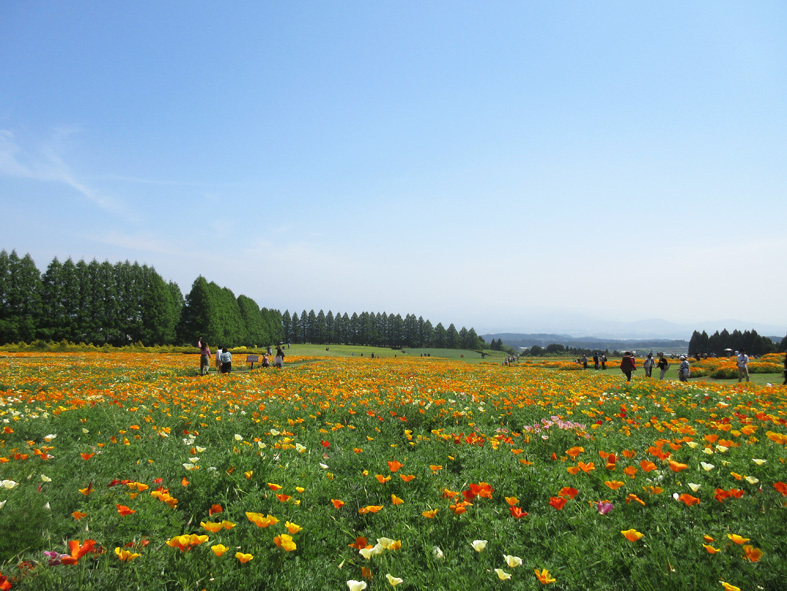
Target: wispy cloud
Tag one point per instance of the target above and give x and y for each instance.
(46, 164)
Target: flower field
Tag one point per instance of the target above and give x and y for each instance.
(130, 471)
(727, 367)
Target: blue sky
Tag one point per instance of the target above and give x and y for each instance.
(510, 166)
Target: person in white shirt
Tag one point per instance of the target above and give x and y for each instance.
(684, 371)
(648, 365)
(743, 366)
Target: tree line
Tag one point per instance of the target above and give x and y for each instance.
(376, 329)
(94, 302)
(122, 303)
(719, 342)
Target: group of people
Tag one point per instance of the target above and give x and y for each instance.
(224, 358)
(628, 364)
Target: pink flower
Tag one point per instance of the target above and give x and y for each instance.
(604, 507)
(54, 557)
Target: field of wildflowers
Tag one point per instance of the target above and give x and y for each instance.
(727, 367)
(130, 471)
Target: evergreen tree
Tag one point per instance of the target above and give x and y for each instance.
(312, 329)
(86, 327)
(103, 320)
(274, 326)
(51, 312)
(286, 326)
(694, 346)
(176, 303)
(330, 328)
(427, 334)
(398, 339)
(69, 302)
(452, 337)
(382, 329)
(252, 319)
(320, 329)
(295, 329)
(158, 323)
(233, 332)
(130, 288)
(440, 340)
(20, 298)
(343, 328)
(354, 331)
(463, 339)
(471, 339)
(199, 318)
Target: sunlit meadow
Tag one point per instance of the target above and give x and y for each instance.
(130, 471)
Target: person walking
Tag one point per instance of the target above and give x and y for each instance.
(627, 365)
(218, 359)
(204, 359)
(278, 361)
(684, 371)
(743, 366)
(595, 361)
(603, 361)
(648, 365)
(663, 366)
(226, 360)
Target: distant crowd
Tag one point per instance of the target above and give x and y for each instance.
(223, 358)
(628, 364)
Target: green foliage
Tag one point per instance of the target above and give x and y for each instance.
(115, 305)
(373, 329)
(722, 373)
(20, 297)
(719, 342)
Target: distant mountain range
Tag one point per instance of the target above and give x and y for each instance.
(586, 327)
(518, 340)
(603, 343)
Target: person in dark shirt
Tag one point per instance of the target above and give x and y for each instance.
(627, 365)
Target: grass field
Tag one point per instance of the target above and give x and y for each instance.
(129, 471)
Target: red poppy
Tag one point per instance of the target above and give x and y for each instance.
(517, 513)
(558, 502)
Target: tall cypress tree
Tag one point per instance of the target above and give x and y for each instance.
(427, 334)
(199, 316)
(354, 330)
(295, 329)
(320, 328)
(330, 328)
(452, 337)
(20, 297)
(69, 302)
(252, 318)
(312, 329)
(156, 303)
(286, 326)
(440, 340)
(84, 317)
